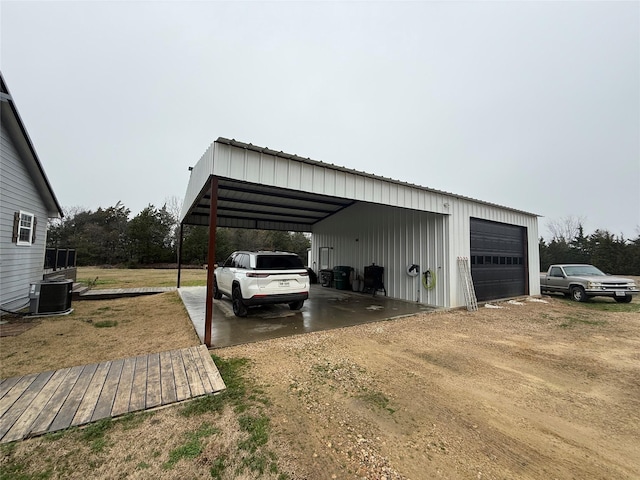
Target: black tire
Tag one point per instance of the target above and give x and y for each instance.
(239, 308)
(625, 299)
(217, 294)
(578, 294)
(296, 305)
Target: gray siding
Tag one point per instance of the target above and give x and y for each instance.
(19, 265)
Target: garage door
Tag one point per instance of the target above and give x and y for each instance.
(498, 259)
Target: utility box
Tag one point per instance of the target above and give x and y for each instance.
(50, 297)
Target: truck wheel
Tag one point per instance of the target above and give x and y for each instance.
(578, 295)
(217, 294)
(239, 308)
(625, 299)
(296, 305)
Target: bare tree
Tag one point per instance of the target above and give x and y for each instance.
(565, 229)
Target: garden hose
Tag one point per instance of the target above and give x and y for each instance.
(428, 280)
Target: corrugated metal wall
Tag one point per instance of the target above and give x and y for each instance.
(393, 238)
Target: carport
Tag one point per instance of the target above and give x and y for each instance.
(356, 219)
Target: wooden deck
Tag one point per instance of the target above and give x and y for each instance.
(111, 293)
(46, 402)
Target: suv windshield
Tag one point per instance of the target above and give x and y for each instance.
(278, 262)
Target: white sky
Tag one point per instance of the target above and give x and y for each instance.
(531, 105)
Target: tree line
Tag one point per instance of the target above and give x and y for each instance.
(610, 253)
(108, 236)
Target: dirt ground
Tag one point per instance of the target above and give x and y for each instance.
(539, 390)
(529, 391)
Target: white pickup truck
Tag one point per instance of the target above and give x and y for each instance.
(580, 282)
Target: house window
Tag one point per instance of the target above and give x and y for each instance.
(25, 228)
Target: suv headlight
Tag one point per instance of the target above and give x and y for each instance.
(592, 285)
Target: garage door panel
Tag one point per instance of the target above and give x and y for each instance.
(498, 259)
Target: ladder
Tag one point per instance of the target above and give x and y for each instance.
(467, 284)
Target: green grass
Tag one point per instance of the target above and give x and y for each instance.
(377, 399)
(105, 324)
(570, 322)
(248, 402)
(193, 448)
(95, 434)
(97, 282)
(603, 306)
(257, 426)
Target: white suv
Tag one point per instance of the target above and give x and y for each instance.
(260, 278)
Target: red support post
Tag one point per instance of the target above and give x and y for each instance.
(211, 260)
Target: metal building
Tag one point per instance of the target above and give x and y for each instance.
(358, 219)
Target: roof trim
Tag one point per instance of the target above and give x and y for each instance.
(44, 187)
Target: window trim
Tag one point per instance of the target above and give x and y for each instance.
(31, 229)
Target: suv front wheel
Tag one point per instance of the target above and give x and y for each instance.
(239, 308)
(217, 294)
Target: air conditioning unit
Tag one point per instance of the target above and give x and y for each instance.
(50, 297)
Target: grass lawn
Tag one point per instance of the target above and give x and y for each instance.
(102, 278)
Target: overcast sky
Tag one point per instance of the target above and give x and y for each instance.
(531, 105)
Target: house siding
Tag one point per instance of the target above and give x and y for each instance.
(19, 265)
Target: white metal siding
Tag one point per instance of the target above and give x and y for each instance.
(294, 174)
(19, 265)
(395, 238)
(460, 234)
(392, 238)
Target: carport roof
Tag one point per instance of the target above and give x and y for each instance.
(266, 189)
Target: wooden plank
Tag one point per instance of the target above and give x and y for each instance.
(190, 367)
(217, 383)
(23, 402)
(154, 390)
(7, 384)
(67, 412)
(167, 382)
(123, 395)
(22, 426)
(139, 386)
(108, 393)
(90, 398)
(202, 372)
(18, 389)
(182, 384)
(52, 408)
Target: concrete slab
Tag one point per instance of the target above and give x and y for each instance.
(325, 309)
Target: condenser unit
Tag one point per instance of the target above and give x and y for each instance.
(50, 297)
